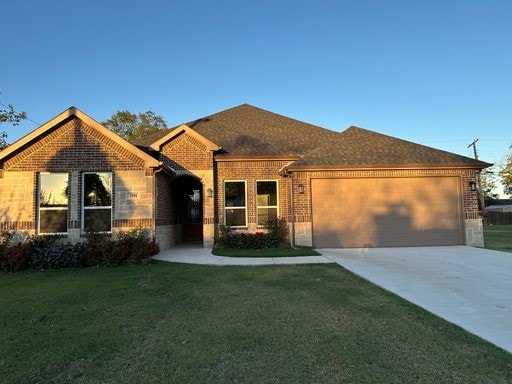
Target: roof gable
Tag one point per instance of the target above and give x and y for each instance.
(68, 114)
(170, 135)
(246, 130)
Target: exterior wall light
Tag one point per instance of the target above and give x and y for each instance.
(301, 189)
(472, 186)
(209, 192)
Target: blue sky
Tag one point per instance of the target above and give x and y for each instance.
(435, 72)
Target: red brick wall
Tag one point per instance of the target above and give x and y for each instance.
(165, 214)
(73, 145)
(252, 171)
(185, 152)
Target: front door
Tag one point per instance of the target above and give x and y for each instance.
(193, 216)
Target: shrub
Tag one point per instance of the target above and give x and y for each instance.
(97, 249)
(49, 252)
(276, 236)
(134, 245)
(278, 229)
(13, 258)
(58, 256)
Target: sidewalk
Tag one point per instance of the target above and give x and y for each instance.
(203, 256)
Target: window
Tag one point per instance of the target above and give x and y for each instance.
(97, 202)
(235, 208)
(53, 203)
(266, 201)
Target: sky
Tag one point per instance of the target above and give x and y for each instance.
(435, 72)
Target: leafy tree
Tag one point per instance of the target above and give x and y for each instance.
(506, 174)
(132, 126)
(9, 115)
(488, 181)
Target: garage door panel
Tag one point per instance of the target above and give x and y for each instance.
(386, 212)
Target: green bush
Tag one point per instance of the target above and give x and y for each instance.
(276, 236)
(279, 230)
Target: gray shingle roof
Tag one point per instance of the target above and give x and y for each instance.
(246, 130)
(361, 147)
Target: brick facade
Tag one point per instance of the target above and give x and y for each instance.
(251, 171)
(154, 195)
(74, 147)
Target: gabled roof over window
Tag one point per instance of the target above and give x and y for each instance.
(69, 113)
(250, 131)
(156, 145)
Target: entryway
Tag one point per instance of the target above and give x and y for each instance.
(189, 209)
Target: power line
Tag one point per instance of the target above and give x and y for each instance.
(26, 118)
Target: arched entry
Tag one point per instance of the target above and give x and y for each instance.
(189, 208)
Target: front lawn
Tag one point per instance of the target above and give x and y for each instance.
(265, 252)
(179, 323)
(498, 237)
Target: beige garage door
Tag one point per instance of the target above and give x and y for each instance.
(387, 212)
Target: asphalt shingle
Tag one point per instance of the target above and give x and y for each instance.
(246, 130)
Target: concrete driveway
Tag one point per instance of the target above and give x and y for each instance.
(470, 287)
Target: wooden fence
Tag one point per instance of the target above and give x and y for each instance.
(498, 217)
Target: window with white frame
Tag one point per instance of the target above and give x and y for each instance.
(97, 202)
(53, 203)
(266, 201)
(235, 204)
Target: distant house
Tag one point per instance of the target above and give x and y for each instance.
(499, 208)
(238, 167)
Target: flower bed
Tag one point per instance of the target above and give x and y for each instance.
(50, 252)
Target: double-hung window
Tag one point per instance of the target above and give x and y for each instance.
(266, 201)
(235, 204)
(53, 203)
(97, 202)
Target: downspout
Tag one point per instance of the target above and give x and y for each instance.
(292, 213)
(284, 173)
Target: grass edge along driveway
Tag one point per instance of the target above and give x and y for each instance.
(177, 323)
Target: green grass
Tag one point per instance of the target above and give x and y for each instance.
(265, 252)
(178, 323)
(498, 237)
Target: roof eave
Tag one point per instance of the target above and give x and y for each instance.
(227, 158)
(368, 167)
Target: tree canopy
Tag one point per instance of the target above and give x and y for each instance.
(9, 115)
(506, 174)
(488, 181)
(131, 126)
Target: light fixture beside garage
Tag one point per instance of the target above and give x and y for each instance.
(472, 186)
(301, 189)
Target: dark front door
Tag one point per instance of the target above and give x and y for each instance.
(193, 216)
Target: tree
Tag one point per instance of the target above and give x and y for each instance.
(506, 174)
(132, 127)
(488, 181)
(9, 115)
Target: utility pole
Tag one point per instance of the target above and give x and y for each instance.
(478, 179)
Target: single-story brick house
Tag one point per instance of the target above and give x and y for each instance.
(239, 167)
